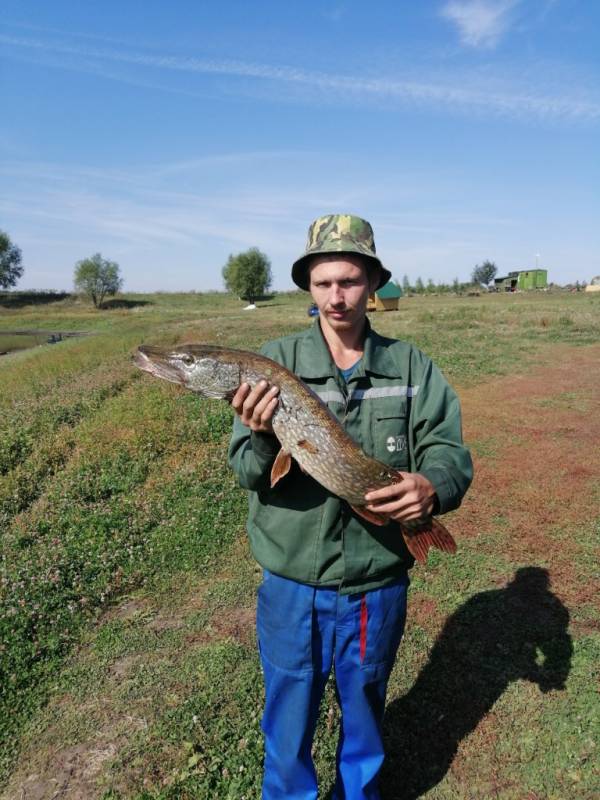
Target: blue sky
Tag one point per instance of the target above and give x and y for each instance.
(168, 135)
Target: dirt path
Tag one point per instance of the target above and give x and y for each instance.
(537, 458)
(535, 442)
(529, 529)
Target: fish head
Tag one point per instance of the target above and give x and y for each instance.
(200, 368)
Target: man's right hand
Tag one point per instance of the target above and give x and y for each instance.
(255, 407)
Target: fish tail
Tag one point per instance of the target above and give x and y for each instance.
(427, 535)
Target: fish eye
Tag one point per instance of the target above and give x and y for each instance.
(188, 360)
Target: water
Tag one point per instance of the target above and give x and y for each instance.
(10, 341)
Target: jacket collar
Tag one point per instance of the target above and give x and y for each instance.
(315, 361)
(314, 358)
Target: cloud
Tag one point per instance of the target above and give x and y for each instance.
(176, 235)
(480, 23)
(139, 209)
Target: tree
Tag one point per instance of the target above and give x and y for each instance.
(248, 274)
(97, 277)
(406, 285)
(10, 262)
(484, 273)
(419, 287)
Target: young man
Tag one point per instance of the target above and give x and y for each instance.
(334, 585)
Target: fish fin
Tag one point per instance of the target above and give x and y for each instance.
(370, 516)
(308, 446)
(281, 466)
(430, 534)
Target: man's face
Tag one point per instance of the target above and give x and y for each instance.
(340, 287)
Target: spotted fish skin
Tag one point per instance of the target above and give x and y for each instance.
(304, 426)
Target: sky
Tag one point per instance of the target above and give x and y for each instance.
(167, 136)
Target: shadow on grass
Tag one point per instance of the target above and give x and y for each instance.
(121, 302)
(21, 299)
(489, 642)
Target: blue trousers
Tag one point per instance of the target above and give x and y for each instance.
(302, 632)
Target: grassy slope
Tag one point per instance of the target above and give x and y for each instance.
(113, 489)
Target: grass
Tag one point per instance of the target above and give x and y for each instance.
(126, 589)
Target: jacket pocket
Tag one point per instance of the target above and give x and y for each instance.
(390, 438)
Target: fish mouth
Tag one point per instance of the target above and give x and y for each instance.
(155, 361)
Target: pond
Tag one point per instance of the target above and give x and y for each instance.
(10, 341)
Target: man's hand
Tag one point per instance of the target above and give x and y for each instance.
(409, 500)
(255, 407)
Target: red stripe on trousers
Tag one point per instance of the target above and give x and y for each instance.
(364, 616)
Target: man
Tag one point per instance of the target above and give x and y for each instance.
(334, 585)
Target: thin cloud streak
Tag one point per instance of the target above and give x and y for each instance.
(150, 213)
(438, 94)
(105, 73)
(148, 221)
(141, 222)
(141, 176)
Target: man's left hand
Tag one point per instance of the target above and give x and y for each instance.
(411, 499)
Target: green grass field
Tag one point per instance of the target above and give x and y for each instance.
(128, 664)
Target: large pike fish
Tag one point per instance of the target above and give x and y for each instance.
(304, 426)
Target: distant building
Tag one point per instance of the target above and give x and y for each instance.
(386, 298)
(522, 280)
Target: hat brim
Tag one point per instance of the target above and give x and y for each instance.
(300, 267)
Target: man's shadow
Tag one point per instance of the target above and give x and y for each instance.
(496, 637)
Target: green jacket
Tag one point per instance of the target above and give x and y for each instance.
(398, 406)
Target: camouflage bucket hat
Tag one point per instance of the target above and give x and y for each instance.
(339, 233)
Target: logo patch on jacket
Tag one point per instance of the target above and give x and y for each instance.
(396, 443)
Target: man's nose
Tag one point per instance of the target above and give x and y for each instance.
(337, 295)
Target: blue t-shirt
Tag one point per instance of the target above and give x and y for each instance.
(347, 373)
